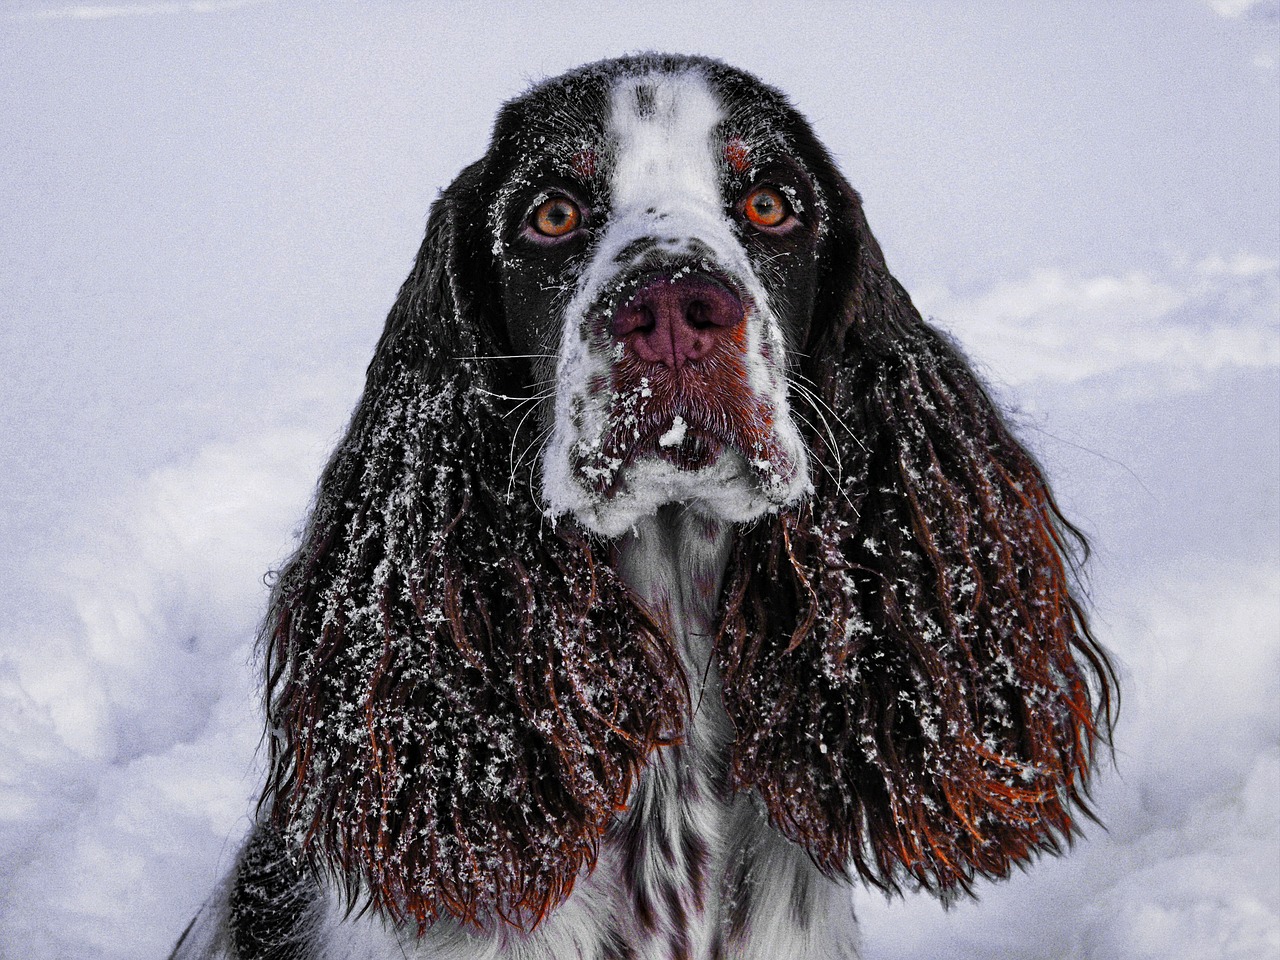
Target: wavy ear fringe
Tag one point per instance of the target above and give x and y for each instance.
(459, 697)
(915, 691)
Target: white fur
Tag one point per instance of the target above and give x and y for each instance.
(662, 560)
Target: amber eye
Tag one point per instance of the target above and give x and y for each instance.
(557, 217)
(766, 207)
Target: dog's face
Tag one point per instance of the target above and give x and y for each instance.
(656, 232)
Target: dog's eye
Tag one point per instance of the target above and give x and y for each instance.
(557, 217)
(766, 207)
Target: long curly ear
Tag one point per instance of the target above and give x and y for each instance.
(458, 696)
(914, 688)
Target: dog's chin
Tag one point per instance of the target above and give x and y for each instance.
(722, 487)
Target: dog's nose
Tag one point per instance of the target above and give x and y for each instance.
(672, 321)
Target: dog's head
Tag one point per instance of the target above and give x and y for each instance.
(656, 228)
(656, 288)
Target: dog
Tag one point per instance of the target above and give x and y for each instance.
(672, 574)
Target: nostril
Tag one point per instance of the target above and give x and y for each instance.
(635, 318)
(709, 305)
(697, 314)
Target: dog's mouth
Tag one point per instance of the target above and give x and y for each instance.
(686, 442)
(683, 440)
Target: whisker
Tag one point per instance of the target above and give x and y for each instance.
(535, 400)
(830, 440)
(513, 462)
(831, 437)
(815, 401)
(504, 396)
(533, 462)
(507, 356)
(836, 478)
(515, 466)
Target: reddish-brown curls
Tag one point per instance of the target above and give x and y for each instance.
(460, 696)
(912, 683)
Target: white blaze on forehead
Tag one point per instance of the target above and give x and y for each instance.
(664, 125)
(665, 180)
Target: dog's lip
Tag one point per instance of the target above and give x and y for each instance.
(698, 447)
(683, 443)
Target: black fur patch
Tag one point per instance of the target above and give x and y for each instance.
(697, 856)
(617, 948)
(645, 101)
(802, 899)
(271, 901)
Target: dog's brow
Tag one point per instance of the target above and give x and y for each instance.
(737, 154)
(584, 163)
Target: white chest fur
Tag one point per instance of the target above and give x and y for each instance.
(701, 873)
(669, 843)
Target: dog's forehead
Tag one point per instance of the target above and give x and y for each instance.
(664, 129)
(643, 134)
(623, 124)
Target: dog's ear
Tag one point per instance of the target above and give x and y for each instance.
(459, 695)
(914, 689)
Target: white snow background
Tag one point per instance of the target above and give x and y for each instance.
(206, 209)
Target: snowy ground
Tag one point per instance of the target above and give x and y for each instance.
(208, 207)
